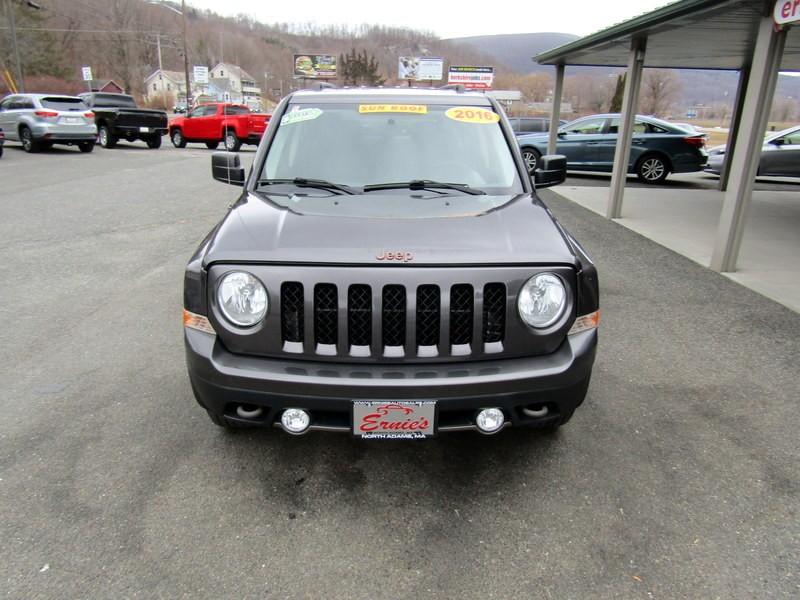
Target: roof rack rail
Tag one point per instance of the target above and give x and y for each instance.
(458, 87)
(321, 85)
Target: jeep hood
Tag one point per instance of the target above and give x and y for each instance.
(516, 230)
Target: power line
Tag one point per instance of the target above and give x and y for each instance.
(58, 30)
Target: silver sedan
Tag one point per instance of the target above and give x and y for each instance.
(780, 155)
(38, 121)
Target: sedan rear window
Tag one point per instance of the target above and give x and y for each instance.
(56, 103)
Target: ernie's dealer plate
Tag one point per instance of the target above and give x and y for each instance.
(393, 420)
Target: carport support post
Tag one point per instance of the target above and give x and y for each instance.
(555, 114)
(747, 152)
(733, 132)
(630, 101)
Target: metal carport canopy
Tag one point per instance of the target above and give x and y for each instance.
(688, 34)
(737, 35)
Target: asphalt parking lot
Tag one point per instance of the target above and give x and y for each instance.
(678, 478)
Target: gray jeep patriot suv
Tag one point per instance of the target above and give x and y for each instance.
(389, 271)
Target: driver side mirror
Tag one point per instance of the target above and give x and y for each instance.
(778, 142)
(561, 133)
(226, 167)
(551, 170)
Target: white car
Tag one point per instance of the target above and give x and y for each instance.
(38, 121)
(780, 155)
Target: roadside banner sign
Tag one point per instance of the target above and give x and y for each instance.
(420, 68)
(786, 12)
(87, 73)
(315, 66)
(200, 74)
(475, 78)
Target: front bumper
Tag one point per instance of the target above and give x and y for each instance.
(222, 381)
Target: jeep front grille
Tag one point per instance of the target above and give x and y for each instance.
(354, 311)
(401, 314)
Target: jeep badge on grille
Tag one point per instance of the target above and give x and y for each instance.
(398, 255)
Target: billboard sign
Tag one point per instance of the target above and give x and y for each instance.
(786, 12)
(200, 74)
(474, 78)
(315, 66)
(420, 68)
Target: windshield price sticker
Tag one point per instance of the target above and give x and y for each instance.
(413, 109)
(298, 116)
(471, 114)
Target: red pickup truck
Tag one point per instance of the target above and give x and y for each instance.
(231, 124)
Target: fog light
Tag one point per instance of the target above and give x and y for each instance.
(295, 420)
(490, 420)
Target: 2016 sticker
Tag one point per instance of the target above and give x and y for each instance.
(471, 114)
(298, 116)
(415, 109)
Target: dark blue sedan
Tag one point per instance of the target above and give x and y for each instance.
(658, 149)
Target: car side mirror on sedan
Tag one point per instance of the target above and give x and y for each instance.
(551, 170)
(778, 142)
(226, 167)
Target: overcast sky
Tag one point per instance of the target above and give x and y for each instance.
(450, 19)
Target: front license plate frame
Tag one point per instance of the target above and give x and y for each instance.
(394, 419)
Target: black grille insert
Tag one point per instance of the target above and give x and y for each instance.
(461, 311)
(428, 315)
(292, 311)
(494, 312)
(393, 318)
(359, 315)
(325, 313)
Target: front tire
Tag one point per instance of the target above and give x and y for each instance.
(177, 138)
(105, 137)
(28, 143)
(531, 158)
(652, 169)
(154, 142)
(85, 147)
(232, 143)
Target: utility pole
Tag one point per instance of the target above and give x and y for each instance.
(15, 48)
(186, 56)
(161, 72)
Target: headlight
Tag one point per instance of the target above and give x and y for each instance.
(242, 299)
(542, 300)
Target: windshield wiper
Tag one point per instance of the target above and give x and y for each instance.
(424, 184)
(310, 183)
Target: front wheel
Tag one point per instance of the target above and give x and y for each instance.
(28, 143)
(652, 169)
(177, 138)
(85, 147)
(232, 143)
(531, 158)
(154, 142)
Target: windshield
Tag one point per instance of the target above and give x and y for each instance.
(366, 144)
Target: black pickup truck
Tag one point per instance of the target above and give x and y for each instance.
(118, 118)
